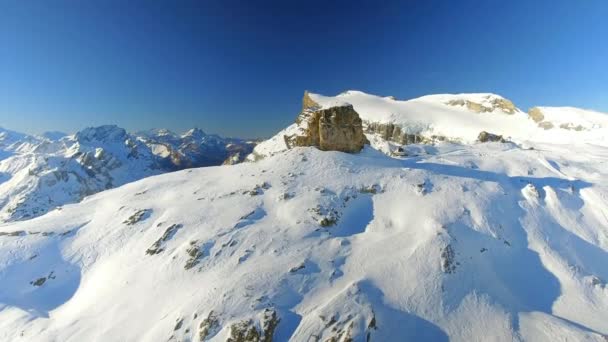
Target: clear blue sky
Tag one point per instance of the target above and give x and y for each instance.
(240, 68)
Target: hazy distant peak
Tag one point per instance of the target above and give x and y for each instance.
(195, 133)
(53, 135)
(106, 133)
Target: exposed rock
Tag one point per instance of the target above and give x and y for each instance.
(448, 264)
(158, 246)
(327, 217)
(395, 133)
(178, 324)
(571, 126)
(492, 104)
(297, 268)
(490, 137)
(195, 253)
(138, 216)
(536, 114)
(269, 324)
(371, 189)
(15, 233)
(246, 331)
(333, 129)
(208, 327)
(308, 103)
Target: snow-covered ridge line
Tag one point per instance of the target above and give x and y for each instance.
(451, 117)
(463, 116)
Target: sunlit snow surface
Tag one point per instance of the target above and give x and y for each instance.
(455, 242)
(434, 115)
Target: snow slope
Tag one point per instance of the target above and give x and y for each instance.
(444, 115)
(460, 117)
(481, 242)
(570, 117)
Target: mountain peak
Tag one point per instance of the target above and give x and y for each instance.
(195, 133)
(105, 133)
(53, 135)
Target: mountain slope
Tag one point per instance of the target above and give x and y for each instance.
(455, 117)
(463, 242)
(38, 174)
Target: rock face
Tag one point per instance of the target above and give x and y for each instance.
(308, 103)
(395, 133)
(333, 129)
(537, 115)
(491, 104)
(489, 137)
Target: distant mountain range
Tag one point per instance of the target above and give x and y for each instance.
(40, 173)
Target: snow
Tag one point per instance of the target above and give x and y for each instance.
(433, 115)
(38, 174)
(457, 242)
(447, 115)
(577, 116)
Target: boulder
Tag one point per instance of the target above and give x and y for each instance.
(332, 129)
(490, 137)
(536, 114)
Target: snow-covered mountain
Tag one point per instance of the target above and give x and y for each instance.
(455, 117)
(195, 148)
(38, 174)
(451, 240)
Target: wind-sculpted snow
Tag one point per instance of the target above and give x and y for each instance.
(455, 242)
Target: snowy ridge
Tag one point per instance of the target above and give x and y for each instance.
(570, 117)
(458, 117)
(462, 243)
(447, 115)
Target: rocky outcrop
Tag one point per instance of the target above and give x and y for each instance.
(333, 129)
(537, 115)
(489, 137)
(491, 104)
(309, 103)
(572, 127)
(395, 133)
